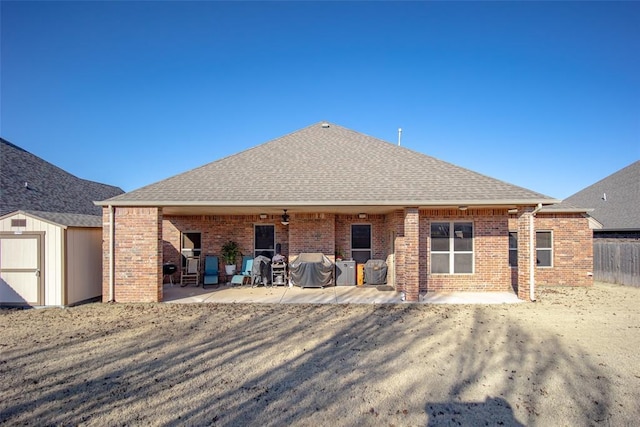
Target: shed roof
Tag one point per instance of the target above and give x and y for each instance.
(28, 182)
(615, 200)
(62, 219)
(328, 165)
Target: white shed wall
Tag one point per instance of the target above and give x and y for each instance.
(84, 264)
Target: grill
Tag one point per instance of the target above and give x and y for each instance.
(168, 270)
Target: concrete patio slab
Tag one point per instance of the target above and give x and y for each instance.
(470, 298)
(226, 294)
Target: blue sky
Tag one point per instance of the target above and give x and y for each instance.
(545, 95)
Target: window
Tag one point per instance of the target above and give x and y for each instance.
(361, 242)
(452, 247)
(191, 245)
(264, 240)
(544, 249)
(513, 249)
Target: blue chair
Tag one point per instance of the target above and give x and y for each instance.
(211, 274)
(245, 274)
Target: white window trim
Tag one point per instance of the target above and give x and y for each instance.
(550, 249)
(451, 251)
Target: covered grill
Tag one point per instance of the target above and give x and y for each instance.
(311, 270)
(375, 272)
(261, 271)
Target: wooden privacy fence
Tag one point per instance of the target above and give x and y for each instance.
(617, 261)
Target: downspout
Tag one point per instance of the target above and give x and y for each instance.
(112, 229)
(532, 252)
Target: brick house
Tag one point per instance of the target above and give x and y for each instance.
(438, 226)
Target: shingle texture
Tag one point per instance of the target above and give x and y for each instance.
(67, 219)
(325, 165)
(615, 200)
(48, 188)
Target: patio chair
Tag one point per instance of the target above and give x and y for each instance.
(245, 274)
(190, 272)
(211, 274)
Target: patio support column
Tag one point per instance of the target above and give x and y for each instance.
(138, 254)
(524, 251)
(411, 251)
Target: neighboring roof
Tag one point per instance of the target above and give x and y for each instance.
(63, 219)
(29, 183)
(615, 200)
(328, 165)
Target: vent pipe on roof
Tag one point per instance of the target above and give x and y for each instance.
(399, 136)
(325, 125)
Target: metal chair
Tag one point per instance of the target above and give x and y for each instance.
(245, 274)
(211, 273)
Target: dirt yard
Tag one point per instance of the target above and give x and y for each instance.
(572, 358)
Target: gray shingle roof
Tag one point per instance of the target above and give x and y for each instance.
(65, 219)
(331, 165)
(620, 209)
(48, 189)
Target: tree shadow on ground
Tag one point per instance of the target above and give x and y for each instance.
(297, 364)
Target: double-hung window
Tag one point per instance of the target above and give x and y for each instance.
(452, 247)
(513, 248)
(544, 249)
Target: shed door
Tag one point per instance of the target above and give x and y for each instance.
(20, 270)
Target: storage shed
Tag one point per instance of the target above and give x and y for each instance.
(50, 258)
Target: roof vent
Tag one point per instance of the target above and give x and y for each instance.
(325, 125)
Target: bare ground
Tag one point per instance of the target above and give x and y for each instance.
(572, 358)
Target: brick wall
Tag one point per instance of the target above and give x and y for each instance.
(145, 239)
(490, 248)
(215, 231)
(312, 233)
(411, 262)
(379, 234)
(572, 250)
(137, 254)
(523, 228)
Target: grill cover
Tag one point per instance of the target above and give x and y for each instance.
(375, 272)
(261, 270)
(311, 270)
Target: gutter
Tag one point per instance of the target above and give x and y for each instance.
(532, 251)
(112, 229)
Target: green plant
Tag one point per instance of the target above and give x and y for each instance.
(230, 252)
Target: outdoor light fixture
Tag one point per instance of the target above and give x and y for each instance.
(463, 208)
(285, 218)
(263, 216)
(362, 215)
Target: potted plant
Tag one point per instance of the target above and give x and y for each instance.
(230, 252)
(339, 254)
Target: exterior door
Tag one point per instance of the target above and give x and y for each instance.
(20, 261)
(264, 240)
